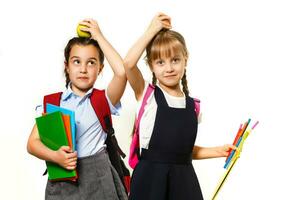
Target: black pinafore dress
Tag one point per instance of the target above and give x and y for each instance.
(165, 170)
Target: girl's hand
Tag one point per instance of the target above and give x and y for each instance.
(92, 27)
(66, 158)
(159, 22)
(223, 151)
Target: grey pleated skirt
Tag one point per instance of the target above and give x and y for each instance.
(97, 180)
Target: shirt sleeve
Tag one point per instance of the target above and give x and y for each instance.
(39, 109)
(115, 110)
(199, 117)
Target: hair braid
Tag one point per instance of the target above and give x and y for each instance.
(154, 80)
(184, 84)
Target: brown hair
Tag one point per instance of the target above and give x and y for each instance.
(83, 42)
(165, 44)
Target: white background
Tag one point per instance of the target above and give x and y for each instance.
(243, 64)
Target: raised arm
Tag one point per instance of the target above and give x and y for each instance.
(117, 85)
(133, 74)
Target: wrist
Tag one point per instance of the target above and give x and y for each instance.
(219, 152)
(53, 156)
(152, 32)
(99, 37)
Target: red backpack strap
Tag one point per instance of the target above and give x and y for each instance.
(101, 107)
(102, 110)
(53, 99)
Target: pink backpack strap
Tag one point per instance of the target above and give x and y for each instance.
(135, 144)
(149, 91)
(197, 106)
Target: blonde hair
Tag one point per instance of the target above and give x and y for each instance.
(165, 44)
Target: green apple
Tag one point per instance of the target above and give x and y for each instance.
(81, 33)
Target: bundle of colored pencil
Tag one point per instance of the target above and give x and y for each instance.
(233, 155)
(239, 140)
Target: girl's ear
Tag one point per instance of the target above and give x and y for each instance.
(185, 60)
(100, 68)
(67, 67)
(149, 64)
(151, 67)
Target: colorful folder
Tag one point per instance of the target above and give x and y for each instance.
(67, 124)
(53, 134)
(52, 108)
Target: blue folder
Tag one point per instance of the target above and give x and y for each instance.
(50, 108)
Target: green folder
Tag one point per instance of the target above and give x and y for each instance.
(52, 134)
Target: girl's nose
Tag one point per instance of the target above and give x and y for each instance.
(169, 67)
(83, 68)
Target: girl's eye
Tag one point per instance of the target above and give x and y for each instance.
(76, 62)
(160, 62)
(91, 63)
(176, 60)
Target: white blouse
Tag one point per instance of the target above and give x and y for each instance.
(148, 118)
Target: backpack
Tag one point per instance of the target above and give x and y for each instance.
(102, 110)
(134, 153)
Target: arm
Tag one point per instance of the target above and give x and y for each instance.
(63, 156)
(211, 152)
(133, 74)
(117, 85)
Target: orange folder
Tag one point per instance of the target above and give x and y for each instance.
(67, 124)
